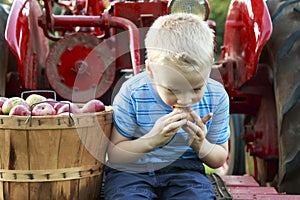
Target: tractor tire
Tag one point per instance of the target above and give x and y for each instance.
(283, 49)
(237, 156)
(235, 163)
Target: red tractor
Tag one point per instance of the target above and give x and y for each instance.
(84, 49)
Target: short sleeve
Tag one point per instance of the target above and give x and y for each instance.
(124, 115)
(219, 129)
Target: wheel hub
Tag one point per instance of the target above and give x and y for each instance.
(80, 68)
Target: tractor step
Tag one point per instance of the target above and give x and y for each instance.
(247, 188)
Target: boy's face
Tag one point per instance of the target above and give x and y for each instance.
(177, 88)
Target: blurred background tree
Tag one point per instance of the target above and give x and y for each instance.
(218, 13)
(6, 1)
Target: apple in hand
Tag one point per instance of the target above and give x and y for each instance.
(43, 109)
(20, 110)
(70, 107)
(34, 98)
(185, 110)
(93, 105)
(12, 102)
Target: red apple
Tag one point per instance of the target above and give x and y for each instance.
(2, 99)
(35, 98)
(43, 109)
(59, 104)
(12, 102)
(93, 105)
(1, 103)
(70, 107)
(51, 101)
(20, 110)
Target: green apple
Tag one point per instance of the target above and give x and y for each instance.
(35, 98)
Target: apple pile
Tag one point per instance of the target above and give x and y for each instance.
(38, 105)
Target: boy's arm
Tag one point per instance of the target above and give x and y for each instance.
(214, 155)
(125, 150)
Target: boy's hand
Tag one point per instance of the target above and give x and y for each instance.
(197, 131)
(166, 127)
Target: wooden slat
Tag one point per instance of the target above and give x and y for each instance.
(43, 151)
(18, 160)
(68, 157)
(91, 139)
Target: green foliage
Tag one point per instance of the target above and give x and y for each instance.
(9, 2)
(218, 13)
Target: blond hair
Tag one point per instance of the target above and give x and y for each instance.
(182, 40)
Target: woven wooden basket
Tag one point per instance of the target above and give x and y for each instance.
(53, 157)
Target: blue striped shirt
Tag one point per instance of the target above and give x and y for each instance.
(137, 107)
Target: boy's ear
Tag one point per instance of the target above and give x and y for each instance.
(148, 68)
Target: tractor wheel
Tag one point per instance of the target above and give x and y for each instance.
(283, 48)
(235, 164)
(289, 146)
(79, 67)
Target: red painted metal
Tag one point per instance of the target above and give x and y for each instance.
(80, 69)
(252, 190)
(239, 181)
(97, 21)
(83, 7)
(247, 29)
(249, 84)
(29, 31)
(142, 14)
(276, 197)
(27, 42)
(247, 188)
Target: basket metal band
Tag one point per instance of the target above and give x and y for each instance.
(50, 175)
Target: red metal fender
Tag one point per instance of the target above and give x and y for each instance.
(26, 40)
(247, 29)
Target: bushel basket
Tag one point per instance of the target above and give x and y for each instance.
(53, 157)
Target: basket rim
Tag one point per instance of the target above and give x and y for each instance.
(67, 120)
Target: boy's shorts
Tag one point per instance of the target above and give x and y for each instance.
(182, 179)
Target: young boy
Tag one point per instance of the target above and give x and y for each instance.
(156, 151)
